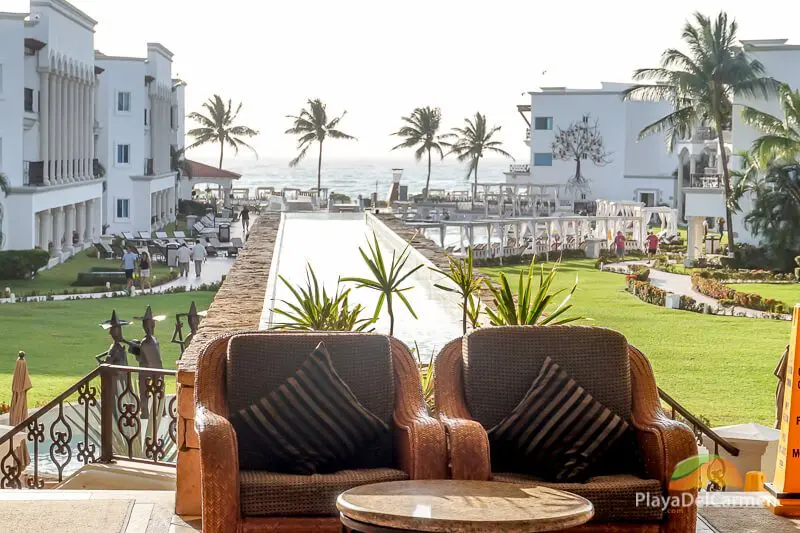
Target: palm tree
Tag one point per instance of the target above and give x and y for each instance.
(312, 125)
(701, 86)
(472, 142)
(422, 131)
(781, 139)
(218, 126)
(177, 158)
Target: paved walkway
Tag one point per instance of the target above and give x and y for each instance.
(682, 284)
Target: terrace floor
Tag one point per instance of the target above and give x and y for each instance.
(153, 511)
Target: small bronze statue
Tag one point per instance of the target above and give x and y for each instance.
(117, 354)
(148, 355)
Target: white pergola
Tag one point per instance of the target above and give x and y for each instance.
(208, 175)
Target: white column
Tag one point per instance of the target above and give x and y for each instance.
(44, 123)
(81, 127)
(46, 227)
(64, 131)
(80, 222)
(87, 131)
(88, 221)
(56, 128)
(73, 129)
(153, 125)
(162, 219)
(91, 126)
(58, 229)
(69, 124)
(69, 226)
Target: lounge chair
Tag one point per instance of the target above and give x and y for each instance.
(128, 236)
(179, 236)
(104, 250)
(162, 236)
(145, 236)
(156, 251)
(480, 379)
(200, 229)
(118, 251)
(379, 370)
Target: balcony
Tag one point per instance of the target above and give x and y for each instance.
(706, 180)
(519, 168)
(148, 167)
(33, 173)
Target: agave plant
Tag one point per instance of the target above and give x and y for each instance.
(426, 378)
(461, 273)
(315, 310)
(388, 278)
(531, 303)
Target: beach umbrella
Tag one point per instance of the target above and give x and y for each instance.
(20, 384)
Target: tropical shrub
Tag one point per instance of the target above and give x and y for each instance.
(639, 272)
(704, 284)
(646, 292)
(462, 275)
(797, 268)
(22, 264)
(315, 310)
(529, 307)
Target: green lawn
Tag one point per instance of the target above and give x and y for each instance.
(788, 293)
(59, 279)
(62, 338)
(718, 367)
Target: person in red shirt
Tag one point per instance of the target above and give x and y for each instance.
(619, 244)
(652, 244)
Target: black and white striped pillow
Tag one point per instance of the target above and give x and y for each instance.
(310, 423)
(558, 430)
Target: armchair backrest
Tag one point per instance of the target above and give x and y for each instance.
(257, 363)
(500, 364)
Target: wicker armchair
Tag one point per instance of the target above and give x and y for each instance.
(480, 378)
(382, 374)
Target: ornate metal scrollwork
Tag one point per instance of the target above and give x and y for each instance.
(36, 436)
(154, 446)
(716, 475)
(11, 469)
(61, 440)
(128, 422)
(87, 397)
(172, 409)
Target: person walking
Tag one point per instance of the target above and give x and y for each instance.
(129, 265)
(144, 270)
(619, 244)
(199, 257)
(184, 257)
(245, 216)
(652, 245)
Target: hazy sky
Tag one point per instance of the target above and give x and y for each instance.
(379, 60)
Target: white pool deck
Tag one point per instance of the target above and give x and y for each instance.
(330, 242)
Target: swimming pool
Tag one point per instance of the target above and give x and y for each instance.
(329, 242)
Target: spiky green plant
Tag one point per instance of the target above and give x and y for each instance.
(474, 312)
(530, 306)
(388, 278)
(315, 310)
(462, 274)
(426, 378)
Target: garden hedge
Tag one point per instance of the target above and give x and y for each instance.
(703, 283)
(22, 264)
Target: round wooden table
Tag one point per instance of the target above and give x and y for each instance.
(454, 506)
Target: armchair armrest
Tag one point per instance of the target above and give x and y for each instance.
(419, 438)
(663, 443)
(468, 444)
(219, 471)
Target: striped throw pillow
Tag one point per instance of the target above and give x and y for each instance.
(558, 430)
(310, 423)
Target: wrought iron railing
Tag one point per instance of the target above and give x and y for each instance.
(706, 180)
(702, 434)
(103, 417)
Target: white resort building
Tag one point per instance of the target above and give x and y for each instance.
(84, 138)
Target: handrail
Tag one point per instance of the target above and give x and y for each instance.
(698, 426)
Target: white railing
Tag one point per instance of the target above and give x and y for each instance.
(522, 168)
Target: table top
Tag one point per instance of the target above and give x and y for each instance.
(464, 506)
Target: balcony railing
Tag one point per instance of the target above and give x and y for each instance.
(103, 417)
(148, 167)
(33, 173)
(519, 168)
(706, 181)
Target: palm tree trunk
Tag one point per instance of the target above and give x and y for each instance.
(428, 181)
(726, 180)
(319, 171)
(221, 152)
(475, 185)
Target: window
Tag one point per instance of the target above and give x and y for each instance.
(543, 160)
(28, 100)
(123, 154)
(543, 123)
(123, 208)
(124, 101)
(145, 117)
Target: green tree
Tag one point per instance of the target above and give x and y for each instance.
(701, 86)
(465, 283)
(781, 138)
(177, 158)
(312, 125)
(421, 131)
(472, 142)
(218, 125)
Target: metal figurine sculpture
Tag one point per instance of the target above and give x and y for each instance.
(193, 318)
(148, 355)
(117, 353)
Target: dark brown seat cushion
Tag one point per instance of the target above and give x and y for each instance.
(258, 363)
(613, 497)
(270, 494)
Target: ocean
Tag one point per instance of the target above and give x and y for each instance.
(353, 176)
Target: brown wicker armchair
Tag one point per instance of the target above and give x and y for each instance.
(383, 375)
(480, 378)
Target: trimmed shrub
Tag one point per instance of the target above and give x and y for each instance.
(22, 264)
(703, 283)
(192, 207)
(646, 292)
(639, 273)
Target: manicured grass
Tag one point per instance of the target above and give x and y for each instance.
(62, 338)
(788, 293)
(718, 367)
(59, 279)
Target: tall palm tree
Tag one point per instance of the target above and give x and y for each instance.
(312, 125)
(701, 86)
(472, 142)
(177, 157)
(781, 139)
(421, 131)
(218, 125)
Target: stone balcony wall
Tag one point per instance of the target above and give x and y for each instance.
(236, 307)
